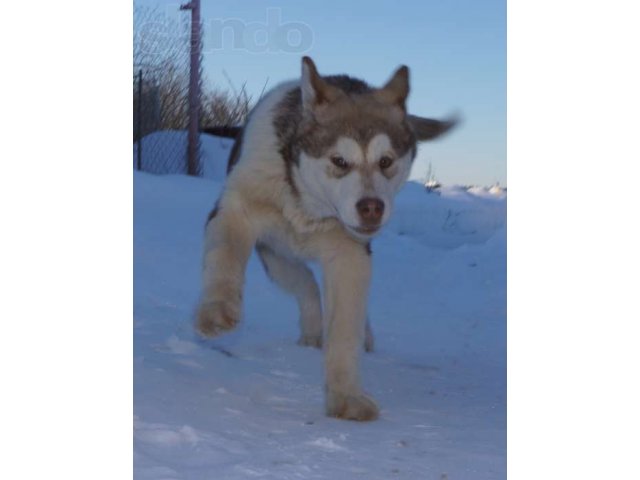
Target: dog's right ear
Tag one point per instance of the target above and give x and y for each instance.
(315, 91)
(396, 90)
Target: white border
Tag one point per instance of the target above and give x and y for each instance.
(66, 262)
(573, 240)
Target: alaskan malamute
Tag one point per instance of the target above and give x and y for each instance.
(313, 176)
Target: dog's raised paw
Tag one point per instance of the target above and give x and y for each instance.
(310, 341)
(357, 407)
(215, 318)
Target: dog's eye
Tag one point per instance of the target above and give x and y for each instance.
(385, 162)
(339, 162)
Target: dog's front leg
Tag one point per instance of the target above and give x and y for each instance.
(347, 273)
(229, 240)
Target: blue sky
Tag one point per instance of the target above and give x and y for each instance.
(456, 50)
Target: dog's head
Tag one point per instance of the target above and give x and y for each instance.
(356, 146)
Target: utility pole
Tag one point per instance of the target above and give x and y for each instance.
(194, 89)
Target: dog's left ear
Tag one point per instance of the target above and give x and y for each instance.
(316, 92)
(428, 128)
(396, 90)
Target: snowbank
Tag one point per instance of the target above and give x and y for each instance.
(165, 153)
(250, 403)
(449, 218)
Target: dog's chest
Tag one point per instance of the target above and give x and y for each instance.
(283, 238)
(295, 235)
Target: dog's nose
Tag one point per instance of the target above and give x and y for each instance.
(370, 210)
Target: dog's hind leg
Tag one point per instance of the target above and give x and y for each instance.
(229, 240)
(296, 278)
(368, 337)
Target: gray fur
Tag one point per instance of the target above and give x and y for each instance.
(360, 116)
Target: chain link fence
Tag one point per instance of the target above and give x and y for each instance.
(160, 121)
(166, 98)
(161, 109)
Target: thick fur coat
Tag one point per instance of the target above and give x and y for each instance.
(312, 177)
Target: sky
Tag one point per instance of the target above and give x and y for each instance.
(455, 49)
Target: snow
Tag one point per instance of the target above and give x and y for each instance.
(165, 152)
(250, 403)
(448, 218)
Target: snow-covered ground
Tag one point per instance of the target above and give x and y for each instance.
(165, 152)
(250, 404)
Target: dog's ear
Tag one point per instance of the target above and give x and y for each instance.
(396, 90)
(315, 91)
(428, 128)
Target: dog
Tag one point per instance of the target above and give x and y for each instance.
(312, 177)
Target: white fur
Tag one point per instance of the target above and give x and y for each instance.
(258, 206)
(295, 277)
(259, 143)
(350, 150)
(378, 146)
(326, 195)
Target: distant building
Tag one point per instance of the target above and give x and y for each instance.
(432, 185)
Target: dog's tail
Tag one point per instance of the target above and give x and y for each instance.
(226, 131)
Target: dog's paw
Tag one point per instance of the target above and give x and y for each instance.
(356, 406)
(215, 318)
(310, 340)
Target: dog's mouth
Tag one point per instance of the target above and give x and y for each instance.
(366, 230)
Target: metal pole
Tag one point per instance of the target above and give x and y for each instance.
(140, 120)
(194, 88)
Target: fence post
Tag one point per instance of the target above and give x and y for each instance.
(194, 89)
(140, 120)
